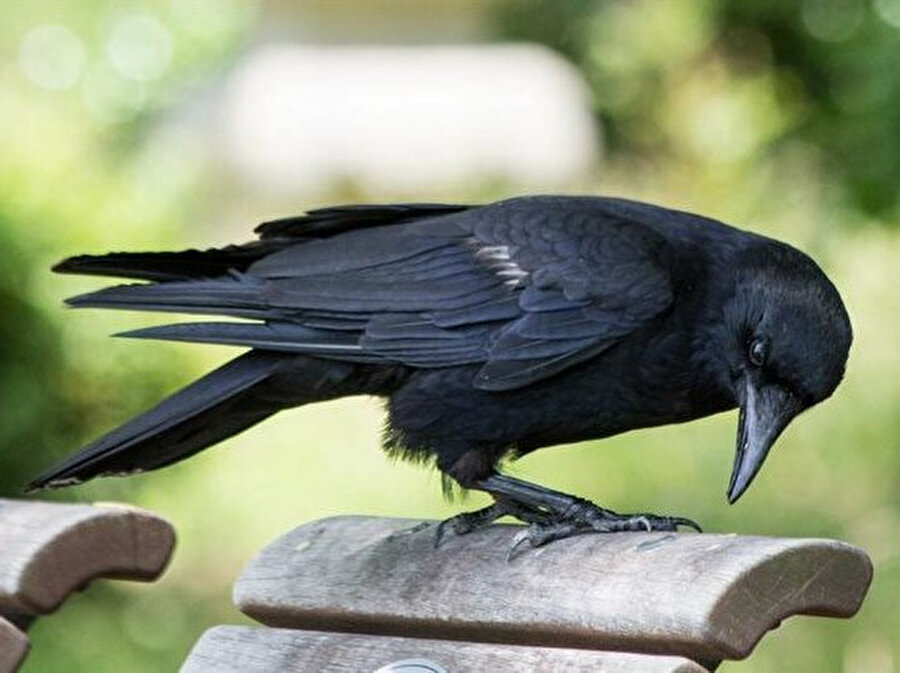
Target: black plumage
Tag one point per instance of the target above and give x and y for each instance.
(490, 330)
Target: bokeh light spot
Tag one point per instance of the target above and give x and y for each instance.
(889, 11)
(52, 57)
(140, 46)
(832, 20)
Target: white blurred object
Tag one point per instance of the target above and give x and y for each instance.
(295, 120)
(52, 57)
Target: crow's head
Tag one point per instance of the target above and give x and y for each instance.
(787, 339)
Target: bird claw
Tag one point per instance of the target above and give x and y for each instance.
(518, 540)
(468, 522)
(441, 530)
(687, 523)
(585, 517)
(554, 520)
(588, 517)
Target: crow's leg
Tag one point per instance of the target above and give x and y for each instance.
(472, 521)
(565, 515)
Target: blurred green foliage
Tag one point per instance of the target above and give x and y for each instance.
(776, 116)
(827, 67)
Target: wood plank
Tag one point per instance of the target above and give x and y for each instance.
(245, 649)
(13, 647)
(705, 597)
(48, 550)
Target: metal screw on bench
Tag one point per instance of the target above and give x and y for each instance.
(412, 666)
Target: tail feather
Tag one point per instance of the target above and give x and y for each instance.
(212, 408)
(170, 266)
(272, 336)
(234, 295)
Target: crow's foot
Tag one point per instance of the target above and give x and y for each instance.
(467, 522)
(550, 515)
(584, 516)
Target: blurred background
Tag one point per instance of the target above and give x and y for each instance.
(163, 125)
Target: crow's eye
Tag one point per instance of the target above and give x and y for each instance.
(757, 352)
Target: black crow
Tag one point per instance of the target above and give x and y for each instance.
(491, 331)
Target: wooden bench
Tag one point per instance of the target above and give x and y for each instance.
(358, 594)
(49, 550)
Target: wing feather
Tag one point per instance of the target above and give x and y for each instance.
(526, 287)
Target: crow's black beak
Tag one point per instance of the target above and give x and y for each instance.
(766, 410)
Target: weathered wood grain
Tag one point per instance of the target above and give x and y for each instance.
(243, 649)
(705, 597)
(13, 646)
(48, 550)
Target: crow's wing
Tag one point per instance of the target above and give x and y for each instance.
(593, 277)
(526, 287)
(323, 222)
(274, 235)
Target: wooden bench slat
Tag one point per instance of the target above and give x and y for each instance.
(245, 649)
(48, 550)
(13, 646)
(705, 597)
